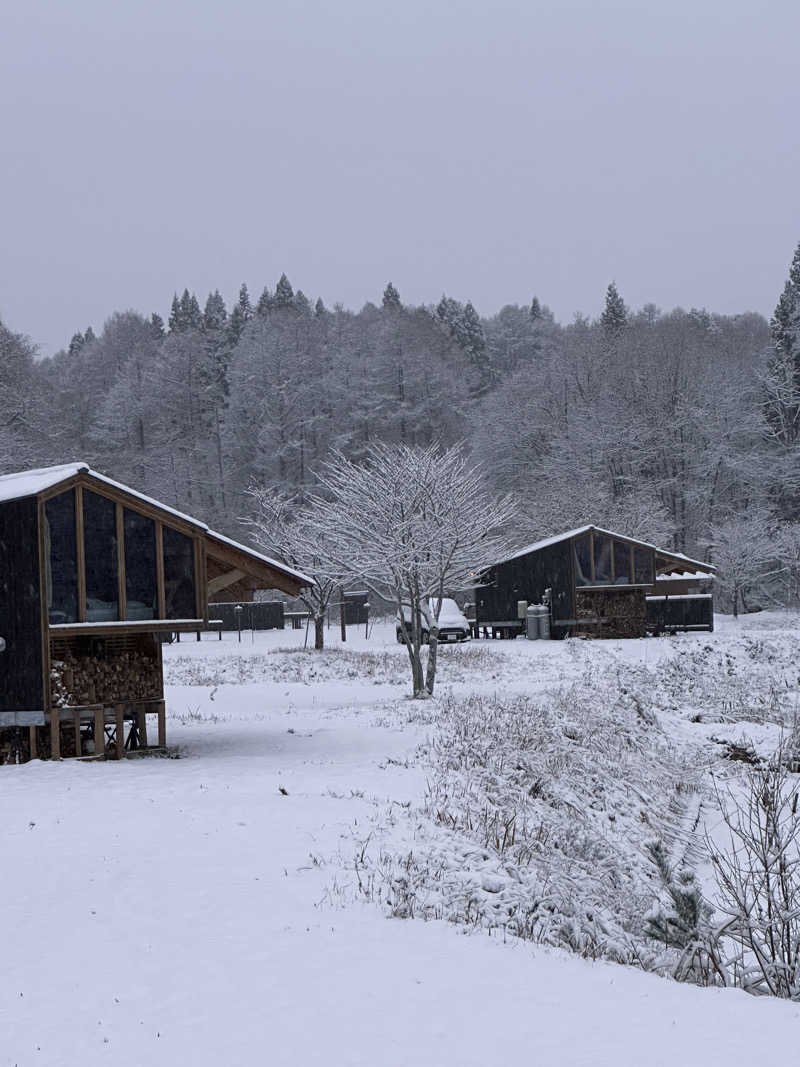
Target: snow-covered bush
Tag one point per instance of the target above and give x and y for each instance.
(535, 819)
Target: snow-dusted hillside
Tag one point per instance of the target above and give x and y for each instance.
(206, 910)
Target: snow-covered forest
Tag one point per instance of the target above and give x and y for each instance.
(681, 426)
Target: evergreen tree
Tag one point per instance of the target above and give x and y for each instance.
(782, 379)
(301, 303)
(615, 315)
(473, 342)
(245, 307)
(284, 294)
(157, 326)
(391, 298)
(536, 309)
(89, 335)
(264, 305)
(215, 315)
(191, 314)
(76, 343)
(236, 325)
(175, 322)
(319, 308)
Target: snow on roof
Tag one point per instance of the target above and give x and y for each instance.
(259, 555)
(547, 542)
(29, 483)
(147, 499)
(537, 545)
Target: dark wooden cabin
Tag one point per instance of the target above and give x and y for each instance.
(92, 574)
(599, 583)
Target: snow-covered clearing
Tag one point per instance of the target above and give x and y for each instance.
(206, 910)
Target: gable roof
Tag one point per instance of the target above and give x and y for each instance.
(25, 484)
(676, 557)
(31, 483)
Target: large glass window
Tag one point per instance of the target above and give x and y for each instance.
(643, 566)
(179, 589)
(100, 549)
(602, 559)
(141, 582)
(583, 560)
(62, 558)
(622, 563)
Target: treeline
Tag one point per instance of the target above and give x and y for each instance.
(681, 427)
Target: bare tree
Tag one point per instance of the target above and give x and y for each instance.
(746, 552)
(758, 875)
(289, 529)
(415, 523)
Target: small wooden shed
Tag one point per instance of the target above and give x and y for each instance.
(92, 574)
(599, 583)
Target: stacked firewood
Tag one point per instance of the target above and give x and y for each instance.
(620, 613)
(79, 680)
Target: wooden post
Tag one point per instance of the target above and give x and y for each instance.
(162, 612)
(122, 591)
(33, 742)
(142, 721)
(76, 718)
(342, 615)
(99, 732)
(55, 733)
(162, 724)
(119, 713)
(81, 554)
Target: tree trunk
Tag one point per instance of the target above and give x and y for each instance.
(433, 647)
(319, 632)
(412, 643)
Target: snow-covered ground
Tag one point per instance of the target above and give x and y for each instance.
(202, 910)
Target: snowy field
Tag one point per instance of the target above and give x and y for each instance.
(235, 905)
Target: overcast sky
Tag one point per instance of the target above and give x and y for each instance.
(491, 150)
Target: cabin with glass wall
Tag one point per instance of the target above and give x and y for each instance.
(92, 576)
(597, 583)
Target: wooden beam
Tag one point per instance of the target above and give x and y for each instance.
(99, 732)
(260, 570)
(122, 611)
(44, 623)
(151, 508)
(222, 581)
(76, 722)
(81, 553)
(130, 626)
(162, 609)
(162, 725)
(201, 573)
(141, 719)
(119, 732)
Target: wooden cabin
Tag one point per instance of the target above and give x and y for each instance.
(598, 583)
(92, 575)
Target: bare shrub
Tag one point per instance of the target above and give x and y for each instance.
(758, 879)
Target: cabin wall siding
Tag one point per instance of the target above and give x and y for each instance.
(20, 613)
(526, 578)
